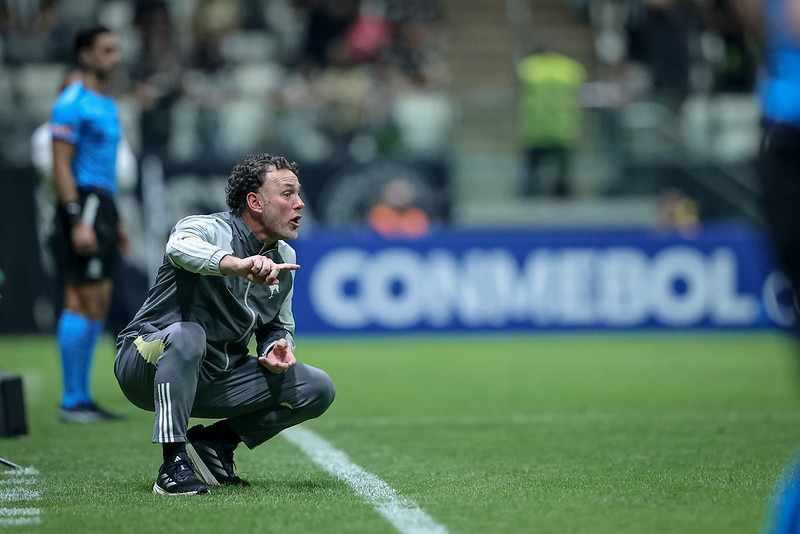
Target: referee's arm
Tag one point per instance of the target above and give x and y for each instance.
(64, 181)
(84, 240)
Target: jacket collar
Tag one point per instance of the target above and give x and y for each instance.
(252, 244)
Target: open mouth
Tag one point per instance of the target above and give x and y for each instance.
(295, 223)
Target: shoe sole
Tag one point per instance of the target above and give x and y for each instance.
(85, 417)
(201, 466)
(79, 419)
(161, 491)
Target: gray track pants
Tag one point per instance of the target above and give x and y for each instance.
(161, 372)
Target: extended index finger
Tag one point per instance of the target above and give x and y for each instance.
(287, 266)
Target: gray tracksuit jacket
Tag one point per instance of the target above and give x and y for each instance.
(189, 287)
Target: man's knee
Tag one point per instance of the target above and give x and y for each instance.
(319, 392)
(186, 342)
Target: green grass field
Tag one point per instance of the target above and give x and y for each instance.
(645, 433)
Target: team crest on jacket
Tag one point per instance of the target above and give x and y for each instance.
(274, 289)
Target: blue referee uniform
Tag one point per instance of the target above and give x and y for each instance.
(90, 122)
(779, 174)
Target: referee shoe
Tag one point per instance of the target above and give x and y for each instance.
(87, 412)
(176, 477)
(213, 459)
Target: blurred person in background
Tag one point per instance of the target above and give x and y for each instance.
(550, 118)
(42, 159)
(660, 35)
(396, 215)
(207, 83)
(225, 278)
(29, 31)
(345, 89)
(414, 56)
(776, 24)
(88, 234)
(739, 65)
(328, 21)
(677, 212)
(413, 68)
(157, 74)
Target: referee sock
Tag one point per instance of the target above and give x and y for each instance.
(88, 358)
(74, 337)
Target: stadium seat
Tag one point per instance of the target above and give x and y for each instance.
(257, 79)
(39, 84)
(425, 119)
(735, 119)
(244, 124)
(249, 47)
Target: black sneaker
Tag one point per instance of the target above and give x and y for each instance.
(214, 460)
(86, 413)
(176, 477)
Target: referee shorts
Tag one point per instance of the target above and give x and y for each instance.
(82, 269)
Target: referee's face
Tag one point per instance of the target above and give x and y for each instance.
(104, 55)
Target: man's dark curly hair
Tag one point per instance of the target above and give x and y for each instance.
(249, 175)
(86, 39)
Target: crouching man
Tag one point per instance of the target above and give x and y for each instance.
(225, 277)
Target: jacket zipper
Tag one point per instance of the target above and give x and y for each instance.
(249, 329)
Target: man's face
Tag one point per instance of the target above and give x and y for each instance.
(104, 56)
(280, 214)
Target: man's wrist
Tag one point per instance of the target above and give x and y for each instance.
(268, 348)
(74, 213)
(223, 261)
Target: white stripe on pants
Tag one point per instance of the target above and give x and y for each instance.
(165, 427)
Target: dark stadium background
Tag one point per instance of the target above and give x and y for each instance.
(669, 128)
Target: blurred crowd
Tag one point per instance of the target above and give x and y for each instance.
(336, 80)
(223, 77)
(682, 46)
(670, 102)
(360, 93)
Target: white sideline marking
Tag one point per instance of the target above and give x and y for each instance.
(20, 516)
(19, 494)
(11, 490)
(25, 471)
(22, 512)
(14, 521)
(18, 482)
(401, 512)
